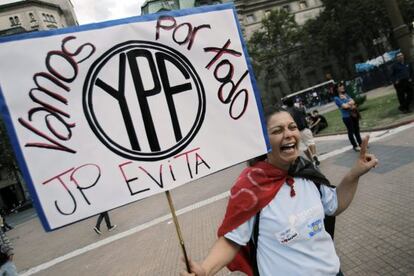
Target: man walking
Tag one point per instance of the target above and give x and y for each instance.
(402, 74)
(306, 136)
(7, 267)
(103, 215)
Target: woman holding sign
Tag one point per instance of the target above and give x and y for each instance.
(274, 223)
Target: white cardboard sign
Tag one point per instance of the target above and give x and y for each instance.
(105, 114)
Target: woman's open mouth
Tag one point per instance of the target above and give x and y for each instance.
(288, 148)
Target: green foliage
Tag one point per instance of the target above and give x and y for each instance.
(353, 89)
(342, 27)
(7, 159)
(359, 100)
(283, 47)
(273, 47)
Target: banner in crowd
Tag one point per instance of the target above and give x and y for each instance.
(105, 114)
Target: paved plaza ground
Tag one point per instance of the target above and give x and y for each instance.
(375, 236)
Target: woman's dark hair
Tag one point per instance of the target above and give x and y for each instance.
(288, 101)
(268, 112)
(272, 109)
(339, 83)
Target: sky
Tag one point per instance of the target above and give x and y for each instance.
(92, 11)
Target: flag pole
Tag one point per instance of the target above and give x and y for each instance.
(177, 228)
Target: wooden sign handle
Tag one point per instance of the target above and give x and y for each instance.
(177, 228)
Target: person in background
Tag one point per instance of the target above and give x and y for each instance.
(299, 115)
(331, 87)
(315, 98)
(402, 75)
(278, 189)
(350, 116)
(318, 123)
(103, 215)
(7, 267)
(4, 226)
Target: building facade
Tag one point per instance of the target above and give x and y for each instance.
(251, 12)
(35, 15)
(154, 6)
(22, 17)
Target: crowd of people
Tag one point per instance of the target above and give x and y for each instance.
(7, 267)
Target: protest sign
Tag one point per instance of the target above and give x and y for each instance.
(105, 114)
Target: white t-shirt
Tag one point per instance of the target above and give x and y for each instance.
(292, 238)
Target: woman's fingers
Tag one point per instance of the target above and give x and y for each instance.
(186, 273)
(364, 147)
(370, 160)
(366, 161)
(195, 268)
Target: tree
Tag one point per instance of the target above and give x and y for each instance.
(274, 47)
(344, 26)
(407, 11)
(7, 160)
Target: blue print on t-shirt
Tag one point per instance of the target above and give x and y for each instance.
(315, 227)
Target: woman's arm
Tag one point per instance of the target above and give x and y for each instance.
(349, 105)
(315, 123)
(348, 186)
(222, 253)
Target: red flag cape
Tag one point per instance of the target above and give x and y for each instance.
(253, 190)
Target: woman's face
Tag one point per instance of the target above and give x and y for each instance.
(284, 137)
(341, 89)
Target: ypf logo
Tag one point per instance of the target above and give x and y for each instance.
(144, 100)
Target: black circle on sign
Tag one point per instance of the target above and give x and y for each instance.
(88, 89)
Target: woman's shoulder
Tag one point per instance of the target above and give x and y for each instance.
(259, 173)
(338, 100)
(240, 181)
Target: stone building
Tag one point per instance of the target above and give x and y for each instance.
(35, 15)
(153, 6)
(251, 12)
(22, 16)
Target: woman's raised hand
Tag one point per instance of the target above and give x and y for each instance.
(366, 161)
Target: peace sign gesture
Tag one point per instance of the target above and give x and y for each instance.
(347, 188)
(366, 161)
